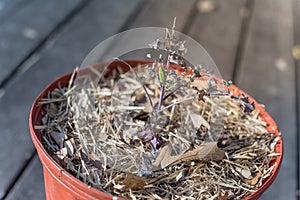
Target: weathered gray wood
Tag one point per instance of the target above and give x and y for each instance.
(267, 74)
(296, 18)
(23, 30)
(161, 14)
(9, 8)
(152, 14)
(218, 31)
(31, 183)
(61, 55)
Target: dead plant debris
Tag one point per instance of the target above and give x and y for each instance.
(108, 146)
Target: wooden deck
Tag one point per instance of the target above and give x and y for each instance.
(251, 42)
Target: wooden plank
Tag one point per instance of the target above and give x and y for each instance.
(30, 184)
(161, 14)
(296, 17)
(267, 74)
(59, 56)
(25, 29)
(218, 31)
(152, 14)
(9, 8)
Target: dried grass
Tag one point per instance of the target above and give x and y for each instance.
(98, 144)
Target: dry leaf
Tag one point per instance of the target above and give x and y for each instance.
(206, 151)
(256, 178)
(58, 137)
(163, 154)
(135, 182)
(198, 120)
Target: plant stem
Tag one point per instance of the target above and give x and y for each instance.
(172, 92)
(162, 85)
(177, 102)
(161, 97)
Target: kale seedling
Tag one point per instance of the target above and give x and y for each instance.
(170, 82)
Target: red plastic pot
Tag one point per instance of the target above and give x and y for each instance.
(59, 184)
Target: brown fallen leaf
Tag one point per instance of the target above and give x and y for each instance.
(164, 153)
(134, 182)
(206, 151)
(198, 120)
(256, 178)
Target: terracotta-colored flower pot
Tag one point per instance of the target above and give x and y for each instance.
(59, 184)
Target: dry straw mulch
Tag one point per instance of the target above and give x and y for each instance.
(210, 150)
